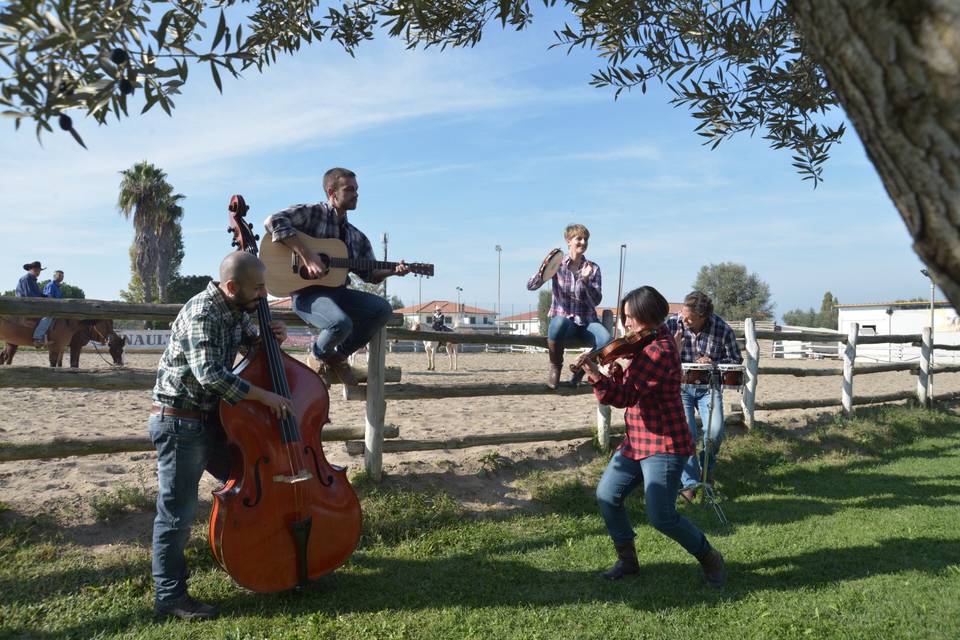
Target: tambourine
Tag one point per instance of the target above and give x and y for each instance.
(551, 264)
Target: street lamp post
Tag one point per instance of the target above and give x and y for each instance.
(933, 294)
(385, 238)
(889, 332)
(459, 291)
(499, 311)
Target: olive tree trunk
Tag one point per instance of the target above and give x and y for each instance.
(895, 67)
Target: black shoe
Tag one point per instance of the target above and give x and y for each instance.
(576, 378)
(714, 568)
(626, 564)
(186, 608)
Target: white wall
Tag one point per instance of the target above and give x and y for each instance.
(876, 320)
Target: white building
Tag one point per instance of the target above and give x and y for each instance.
(892, 318)
(466, 318)
(523, 324)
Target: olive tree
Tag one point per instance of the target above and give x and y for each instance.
(780, 68)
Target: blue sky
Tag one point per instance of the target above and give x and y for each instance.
(456, 152)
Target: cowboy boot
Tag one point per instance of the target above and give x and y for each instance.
(556, 362)
(714, 568)
(626, 564)
(339, 368)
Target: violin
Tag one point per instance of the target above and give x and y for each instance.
(624, 346)
(285, 515)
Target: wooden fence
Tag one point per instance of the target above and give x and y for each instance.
(376, 392)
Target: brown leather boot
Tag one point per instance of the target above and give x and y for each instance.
(714, 568)
(338, 369)
(626, 565)
(556, 363)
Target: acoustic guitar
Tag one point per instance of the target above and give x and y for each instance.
(287, 273)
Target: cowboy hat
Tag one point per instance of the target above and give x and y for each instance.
(33, 265)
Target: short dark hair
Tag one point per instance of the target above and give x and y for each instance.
(699, 302)
(332, 176)
(648, 305)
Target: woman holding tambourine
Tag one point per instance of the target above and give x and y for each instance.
(576, 294)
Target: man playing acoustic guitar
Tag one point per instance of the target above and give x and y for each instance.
(346, 318)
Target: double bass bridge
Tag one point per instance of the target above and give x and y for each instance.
(302, 476)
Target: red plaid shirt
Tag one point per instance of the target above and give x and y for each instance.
(650, 391)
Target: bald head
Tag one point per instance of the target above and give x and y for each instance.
(241, 267)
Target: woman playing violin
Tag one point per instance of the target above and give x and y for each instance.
(658, 441)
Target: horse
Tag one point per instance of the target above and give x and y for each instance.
(431, 347)
(18, 332)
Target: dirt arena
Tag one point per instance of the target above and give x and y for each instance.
(63, 488)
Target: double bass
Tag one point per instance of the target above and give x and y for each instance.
(285, 515)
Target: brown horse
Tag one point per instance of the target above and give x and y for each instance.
(18, 332)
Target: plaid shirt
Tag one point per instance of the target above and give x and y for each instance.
(650, 391)
(320, 221)
(195, 369)
(716, 340)
(573, 297)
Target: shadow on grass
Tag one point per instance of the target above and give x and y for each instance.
(478, 581)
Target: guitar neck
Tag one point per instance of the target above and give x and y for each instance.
(362, 265)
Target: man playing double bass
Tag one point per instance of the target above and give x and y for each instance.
(193, 376)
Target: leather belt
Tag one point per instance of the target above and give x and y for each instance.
(163, 410)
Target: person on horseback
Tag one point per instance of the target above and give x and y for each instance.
(439, 320)
(27, 287)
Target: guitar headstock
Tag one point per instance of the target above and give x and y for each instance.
(244, 239)
(420, 268)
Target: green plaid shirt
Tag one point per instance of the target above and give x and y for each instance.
(195, 369)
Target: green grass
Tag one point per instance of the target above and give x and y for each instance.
(839, 529)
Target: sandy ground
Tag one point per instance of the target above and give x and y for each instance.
(63, 488)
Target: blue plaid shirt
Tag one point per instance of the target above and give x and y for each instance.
(320, 221)
(716, 340)
(573, 297)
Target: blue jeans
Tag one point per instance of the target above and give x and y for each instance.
(696, 397)
(185, 447)
(660, 475)
(346, 318)
(563, 329)
(41, 329)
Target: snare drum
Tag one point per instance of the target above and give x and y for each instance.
(695, 373)
(731, 375)
(550, 265)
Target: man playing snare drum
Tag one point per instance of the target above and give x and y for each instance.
(703, 337)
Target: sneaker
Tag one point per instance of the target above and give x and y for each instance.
(186, 608)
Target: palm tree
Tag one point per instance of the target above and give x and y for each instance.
(144, 194)
(169, 242)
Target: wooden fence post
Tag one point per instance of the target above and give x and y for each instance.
(376, 406)
(923, 380)
(752, 367)
(849, 355)
(603, 426)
